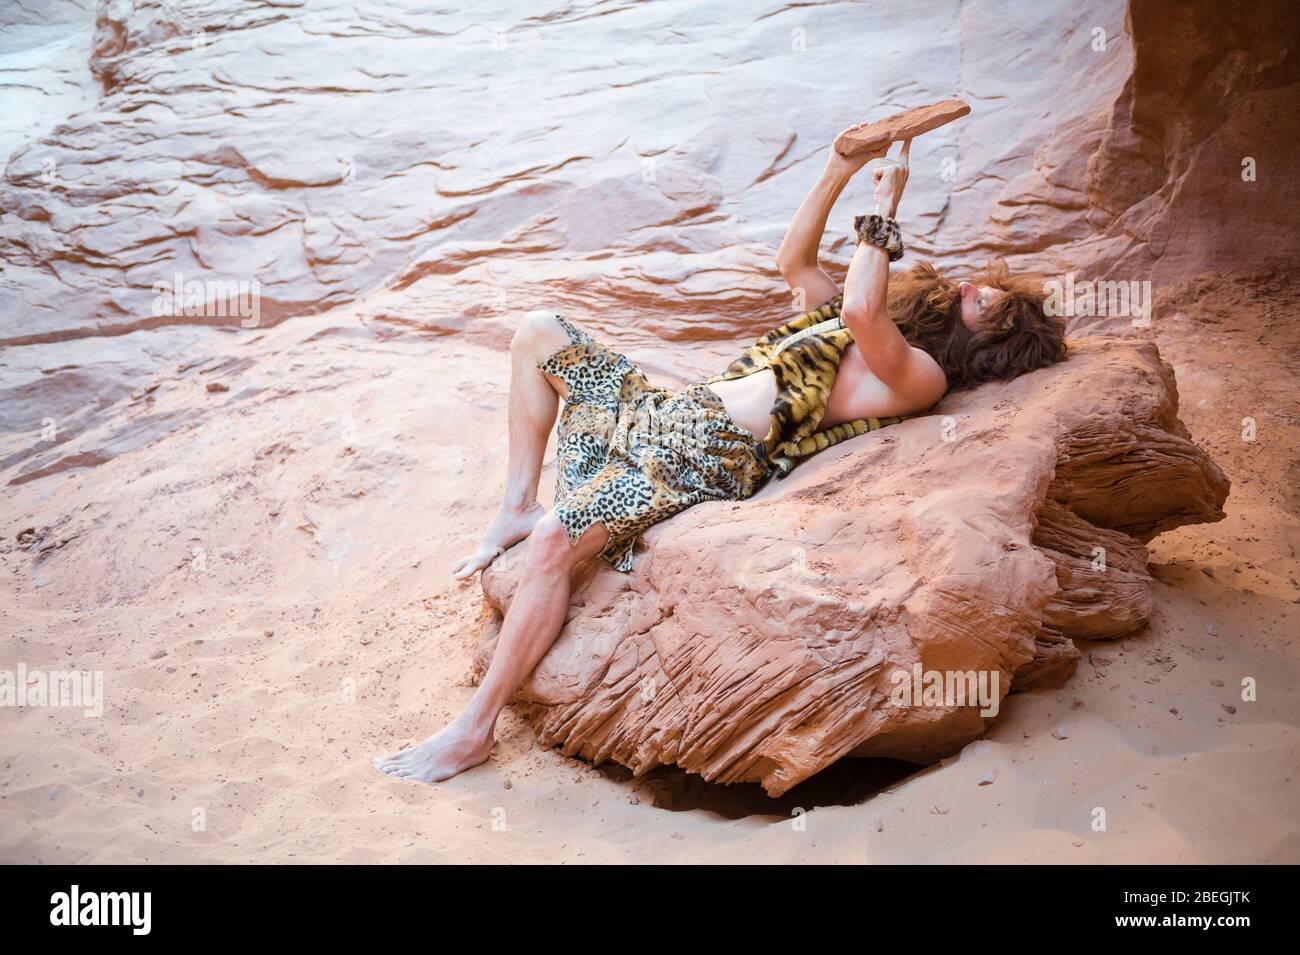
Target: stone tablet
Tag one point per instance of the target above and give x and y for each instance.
(904, 125)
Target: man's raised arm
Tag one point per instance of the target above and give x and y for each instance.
(908, 372)
(797, 257)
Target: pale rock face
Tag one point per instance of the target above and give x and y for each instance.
(619, 165)
(45, 73)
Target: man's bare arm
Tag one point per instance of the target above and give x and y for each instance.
(797, 257)
(908, 372)
(881, 344)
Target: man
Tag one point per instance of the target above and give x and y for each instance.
(631, 454)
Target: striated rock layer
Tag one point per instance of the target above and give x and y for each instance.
(760, 641)
(605, 158)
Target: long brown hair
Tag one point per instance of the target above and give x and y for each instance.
(1017, 335)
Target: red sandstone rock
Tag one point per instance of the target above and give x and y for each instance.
(759, 641)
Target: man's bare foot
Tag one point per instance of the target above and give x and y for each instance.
(509, 527)
(450, 751)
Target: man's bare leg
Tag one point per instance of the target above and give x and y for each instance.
(534, 401)
(531, 625)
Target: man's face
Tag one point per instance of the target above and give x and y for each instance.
(975, 301)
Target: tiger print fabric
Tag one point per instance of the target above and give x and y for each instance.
(804, 355)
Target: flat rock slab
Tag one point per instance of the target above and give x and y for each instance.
(905, 125)
(763, 640)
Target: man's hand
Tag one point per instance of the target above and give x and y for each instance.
(844, 166)
(889, 177)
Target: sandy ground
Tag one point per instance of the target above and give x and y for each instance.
(262, 575)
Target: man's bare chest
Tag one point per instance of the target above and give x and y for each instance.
(857, 392)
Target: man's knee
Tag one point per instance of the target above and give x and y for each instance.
(538, 332)
(549, 544)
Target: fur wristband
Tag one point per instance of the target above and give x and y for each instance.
(880, 231)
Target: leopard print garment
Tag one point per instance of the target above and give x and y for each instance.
(631, 454)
